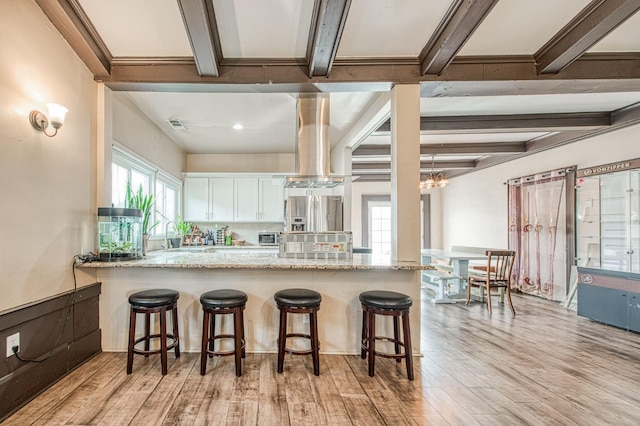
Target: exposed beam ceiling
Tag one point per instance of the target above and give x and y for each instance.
(497, 123)
(447, 148)
(69, 18)
(592, 24)
(460, 21)
(200, 22)
(327, 24)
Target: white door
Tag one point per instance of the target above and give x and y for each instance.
(380, 227)
(246, 191)
(221, 199)
(196, 199)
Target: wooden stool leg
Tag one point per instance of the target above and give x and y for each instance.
(406, 331)
(132, 338)
(163, 340)
(513, 311)
(237, 336)
(396, 335)
(212, 332)
(363, 351)
(147, 332)
(241, 309)
(315, 342)
(371, 342)
(205, 342)
(174, 319)
(489, 295)
(282, 338)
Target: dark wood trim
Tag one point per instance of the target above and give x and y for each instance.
(327, 23)
(447, 148)
(425, 166)
(457, 26)
(592, 74)
(591, 25)
(497, 123)
(71, 21)
(375, 177)
(202, 29)
(61, 332)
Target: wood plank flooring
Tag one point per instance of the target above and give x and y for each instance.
(546, 366)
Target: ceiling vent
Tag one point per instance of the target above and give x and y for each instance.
(176, 124)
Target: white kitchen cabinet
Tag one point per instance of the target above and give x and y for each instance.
(221, 198)
(233, 199)
(247, 193)
(196, 199)
(271, 208)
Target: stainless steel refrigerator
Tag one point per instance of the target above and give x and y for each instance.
(313, 213)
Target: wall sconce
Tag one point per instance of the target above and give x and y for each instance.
(40, 122)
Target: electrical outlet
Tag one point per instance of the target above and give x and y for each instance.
(13, 340)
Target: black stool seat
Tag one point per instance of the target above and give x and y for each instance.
(223, 299)
(297, 297)
(154, 298)
(383, 299)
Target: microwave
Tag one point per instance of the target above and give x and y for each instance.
(268, 238)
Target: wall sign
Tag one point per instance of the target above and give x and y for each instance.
(609, 168)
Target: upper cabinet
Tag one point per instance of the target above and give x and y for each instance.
(233, 198)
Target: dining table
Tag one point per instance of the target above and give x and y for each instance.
(459, 260)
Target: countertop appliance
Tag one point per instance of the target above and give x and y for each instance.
(313, 213)
(268, 238)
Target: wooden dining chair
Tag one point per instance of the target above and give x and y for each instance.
(498, 275)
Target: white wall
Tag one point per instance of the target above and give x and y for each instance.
(475, 205)
(47, 185)
(134, 130)
(241, 163)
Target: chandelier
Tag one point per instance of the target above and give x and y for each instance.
(434, 180)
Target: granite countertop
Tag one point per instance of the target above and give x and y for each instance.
(199, 259)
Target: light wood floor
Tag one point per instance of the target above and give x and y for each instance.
(546, 366)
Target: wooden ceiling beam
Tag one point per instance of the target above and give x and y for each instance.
(591, 25)
(202, 29)
(327, 23)
(501, 123)
(385, 166)
(71, 21)
(457, 26)
(483, 148)
(481, 76)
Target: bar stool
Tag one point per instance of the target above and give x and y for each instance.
(221, 302)
(298, 301)
(147, 302)
(387, 303)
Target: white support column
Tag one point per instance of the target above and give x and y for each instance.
(104, 138)
(405, 172)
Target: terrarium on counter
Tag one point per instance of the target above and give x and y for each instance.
(119, 234)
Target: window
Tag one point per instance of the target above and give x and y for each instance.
(380, 228)
(125, 168)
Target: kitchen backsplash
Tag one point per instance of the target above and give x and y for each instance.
(243, 231)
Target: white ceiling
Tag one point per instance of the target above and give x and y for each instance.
(374, 29)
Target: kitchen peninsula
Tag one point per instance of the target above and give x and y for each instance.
(259, 275)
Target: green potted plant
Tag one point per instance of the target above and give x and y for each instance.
(184, 228)
(144, 203)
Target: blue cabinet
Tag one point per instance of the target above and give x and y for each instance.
(605, 305)
(634, 311)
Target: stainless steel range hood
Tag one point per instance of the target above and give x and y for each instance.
(313, 152)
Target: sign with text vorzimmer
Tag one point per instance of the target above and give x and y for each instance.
(609, 168)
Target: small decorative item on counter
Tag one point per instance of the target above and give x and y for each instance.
(227, 240)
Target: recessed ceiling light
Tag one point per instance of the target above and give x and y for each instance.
(238, 126)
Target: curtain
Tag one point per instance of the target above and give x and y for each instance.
(537, 232)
